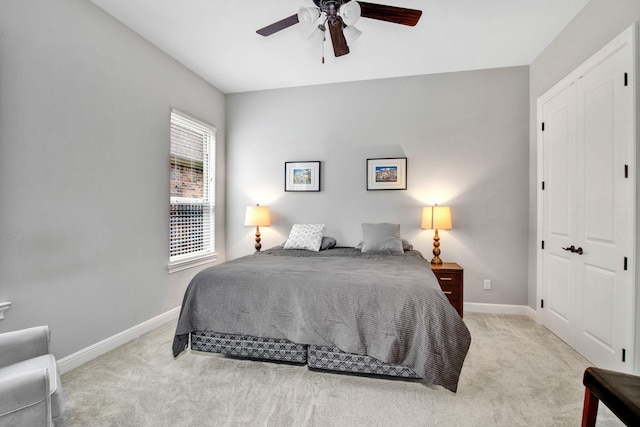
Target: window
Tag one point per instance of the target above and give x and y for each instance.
(192, 192)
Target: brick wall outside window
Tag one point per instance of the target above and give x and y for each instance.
(185, 181)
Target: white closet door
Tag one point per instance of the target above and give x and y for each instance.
(559, 213)
(605, 197)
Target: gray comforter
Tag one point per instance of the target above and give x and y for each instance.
(386, 306)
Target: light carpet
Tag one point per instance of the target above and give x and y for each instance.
(516, 374)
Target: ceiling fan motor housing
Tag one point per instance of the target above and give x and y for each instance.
(330, 7)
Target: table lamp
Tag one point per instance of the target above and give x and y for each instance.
(257, 216)
(436, 218)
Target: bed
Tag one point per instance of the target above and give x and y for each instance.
(338, 309)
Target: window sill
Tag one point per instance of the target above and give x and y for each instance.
(188, 263)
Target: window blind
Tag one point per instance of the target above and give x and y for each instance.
(192, 189)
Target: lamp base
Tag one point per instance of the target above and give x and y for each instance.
(436, 250)
(258, 245)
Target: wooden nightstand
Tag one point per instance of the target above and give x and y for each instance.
(451, 278)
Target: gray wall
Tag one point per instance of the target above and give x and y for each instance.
(84, 171)
(466, 139)
(597, 24)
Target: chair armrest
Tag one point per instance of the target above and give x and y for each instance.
(25, 399)
(24, 344)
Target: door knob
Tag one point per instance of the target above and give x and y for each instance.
(573, 250)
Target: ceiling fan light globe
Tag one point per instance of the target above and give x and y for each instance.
(350, 12)
(317, 37)
(308, 15)
(351, 34)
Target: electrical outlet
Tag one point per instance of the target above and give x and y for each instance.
(487, 284)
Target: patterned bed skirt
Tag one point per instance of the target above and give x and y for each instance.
(333, 359)
(249, 347)
(317, 357)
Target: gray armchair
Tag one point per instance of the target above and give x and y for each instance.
(30, 385)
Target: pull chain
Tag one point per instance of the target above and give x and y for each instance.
(323, 27)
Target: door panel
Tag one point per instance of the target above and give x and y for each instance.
(558, 144)
(599, 162)
(599, 306)
(558, 299)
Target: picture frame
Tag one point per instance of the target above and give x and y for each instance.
(302, 176)
(387, 174)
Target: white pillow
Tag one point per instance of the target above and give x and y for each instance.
(305, 236)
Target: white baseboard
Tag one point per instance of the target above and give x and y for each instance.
(83, 356)
(519, 310)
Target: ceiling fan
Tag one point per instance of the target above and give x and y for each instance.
(339, 16)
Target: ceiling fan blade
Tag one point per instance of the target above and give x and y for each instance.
(397, 15)
(340, 46)
(278, 26)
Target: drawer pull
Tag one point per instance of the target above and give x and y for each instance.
(447, 292)
(446, 278)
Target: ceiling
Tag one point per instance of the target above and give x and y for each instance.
(217, 39)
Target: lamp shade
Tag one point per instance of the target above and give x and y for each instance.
(257, 216)
(436, 217)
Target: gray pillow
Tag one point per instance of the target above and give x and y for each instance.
(382, 237)
(406, 245)
(327, 243)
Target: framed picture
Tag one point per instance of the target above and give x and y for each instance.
(301, 176)
(387, 174)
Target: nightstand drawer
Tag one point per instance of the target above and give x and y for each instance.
(450, 288)
(452, 293)
(448, 279)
